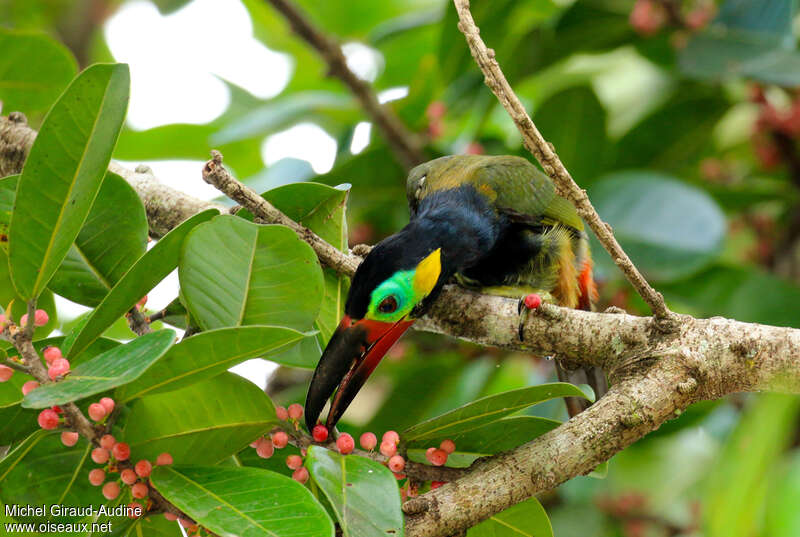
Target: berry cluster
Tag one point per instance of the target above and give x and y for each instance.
(40, 318)
(649, 16)
(438, 456)
(777, 128)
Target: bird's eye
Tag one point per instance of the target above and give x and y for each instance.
(388, 304)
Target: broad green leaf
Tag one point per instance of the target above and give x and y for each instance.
(772, 18)
(203, 423)
(737, 485)
(208, 354)
(488, 409)
(362, 492)
(145, 274)
(782, 516)
(113, 237)
(16, 423)
(8, 191)
(113, 368)
(151, 526)
(236, 273)
(526, 519)
(34, 70)
(669, 229)
(63, 174)
(247, 502)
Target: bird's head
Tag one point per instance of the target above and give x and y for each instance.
(391, 288)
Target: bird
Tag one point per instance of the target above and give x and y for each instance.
(490, 223)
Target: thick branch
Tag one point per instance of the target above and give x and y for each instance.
(552, 165)
(405, 144)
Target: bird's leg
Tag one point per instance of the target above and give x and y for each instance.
(527, 303)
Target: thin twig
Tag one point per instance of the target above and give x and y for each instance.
(552, 165)
(138, 322)
(17, 366)
(405, 144)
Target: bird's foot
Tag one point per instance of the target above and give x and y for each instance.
(526, 304)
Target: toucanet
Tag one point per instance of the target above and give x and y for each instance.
(493, 223)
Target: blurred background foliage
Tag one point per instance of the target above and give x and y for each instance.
(680, 117)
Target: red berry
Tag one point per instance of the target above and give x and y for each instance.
(58, 368)
(391, 436)
(388, 448)
(134, 510)
(57, 409)
(48, 419)
(475, 148)
(121, 451)
(69, 438)
(23, 321)
(300, 475)
(128, 476)
(436, 109)
(437, 484)
(5, 373)
(100, 455)
(448, 446)
(96, 477)
(295, 411)
(108, 404)
(264, 448)
(397, 464)
(143, 468)
(3, 322)
(107, 441)
(40, 318)
(533, 301)
(294, 462)
(111, 490)
(97, 411)
(368, 441)
(29, 386)
(170, 516)
(255, 442)
(280, 439)
(51, 354)
(165, 459)
(647, 17)
(282, 413)
(320, 433)
(186, 523)
(345, 443)
(139, 491)
(437, 457)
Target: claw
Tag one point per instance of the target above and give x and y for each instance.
(530, 302)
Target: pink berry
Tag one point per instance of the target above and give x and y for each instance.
(3, 322)
(436, 484)
(280, 439)
(437, 457)
(23, 321)
(264, 448)
(368, 441)
(300, 475)
(58, 368)
(320, 433)
(388, 448)
(107, 441)
(295, 411)
(128, 476)
(134, 510)
(165, 459)
(108, 404)
(186, 523)
(96, 477)
(111, 490)
(51, 354)
(121, 451)
(170, 516)
(143, 468)
(100, 455)
(254, 443)
(448, 446)
(40, 318)
(142, 301)
(345, 443)
(69, 438)
(139, 491)
(294, 462)
(391, 436)
(397, 464)
(97, 411)
(282, 413)
(29, 386)
(533, 301)
(5, 373)
(48, 419)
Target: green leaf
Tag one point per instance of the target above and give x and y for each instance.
(208, 354)
(63, 174)
(113, 368)
(203, 423)
(782, 516)
(243, 501)
(236, 273)
(488, 409)
(34, 70)
(362, 492)
(113, 237)
(145, 274)
(669, 229)
(526, 519)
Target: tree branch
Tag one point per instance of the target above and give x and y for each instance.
(405, 144)
(552, 165)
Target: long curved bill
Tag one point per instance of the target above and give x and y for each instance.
(354, 351)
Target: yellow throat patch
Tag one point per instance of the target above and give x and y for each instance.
(427, 273)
